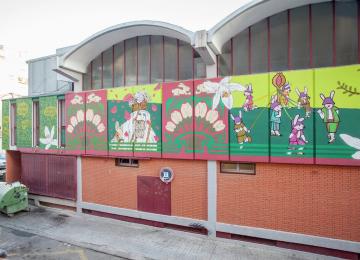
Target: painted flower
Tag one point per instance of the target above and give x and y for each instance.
(200, 109)
(89, 115)
(186, 110)
(219, 126)
(70, 128)
(170, 126)
(223, 91)
(101, 128)
(354, 143)
(73, 121)
(212, 116)
(96, 119)
(80, 116)
(93, 98)
(176, 117)
(49, 140)
(77, 100)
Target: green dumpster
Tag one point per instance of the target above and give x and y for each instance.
(13, 197)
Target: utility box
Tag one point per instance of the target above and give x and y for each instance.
(13, 198)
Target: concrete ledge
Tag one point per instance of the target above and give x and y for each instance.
(181, 221)
(62, 202)
(325, 242)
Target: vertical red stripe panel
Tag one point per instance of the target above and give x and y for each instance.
(113, 66)
(310, 37)
(124, 63)
(269, 44)
(334, 33)
(231, 57)
(358, 31)
(249, 56)
(102, 70)
(178, 60)
(289, 39)
(137, 60)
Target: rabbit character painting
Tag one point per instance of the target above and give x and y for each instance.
(297, 137)
(138, 127)
(330, 115)
(240, 129)
(284, 95)
(275, 117)
(249, 103)
(304, 101)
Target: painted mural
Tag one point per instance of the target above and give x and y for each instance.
(5, 124)
(96, 122)
(48, 123)
(291, 116)
(248, 122)
(75, 125)
(24, 123)
(302, 116)
(337, 115)
(135, 121)
(178, 120)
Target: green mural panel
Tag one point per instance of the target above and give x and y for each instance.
(48, 122)
(5, 124)
(337, 101)
(248, 122)
(134, 122)
(292, 133)
(24, 123)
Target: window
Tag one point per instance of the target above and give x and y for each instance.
(241, 53)
(61, 123)
(199, 67)
(156, 59)
(185, 61)
(131, 61)
(143, 59)
(126, 162)
(87, 78)
(96, 73)
(224, 60)
(171, 61)
(244, 168)
(36, 123)
(259, 47)
(119, 65)
(13, 123)
(107, 68)
(279, 41)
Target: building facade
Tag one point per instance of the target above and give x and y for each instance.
(246, 131)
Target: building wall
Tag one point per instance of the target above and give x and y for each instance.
(107, 184)
(313, 200)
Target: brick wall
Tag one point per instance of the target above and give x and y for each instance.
(107, 184)
(314, 200)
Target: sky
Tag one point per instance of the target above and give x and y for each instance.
(35, 28)
(38, 27)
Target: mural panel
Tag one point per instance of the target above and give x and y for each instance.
(146, 120)
(96, 123)
(248, 122)
(291, 116)
(24, 123)
(5, 124)
(48, 123)
(213, 99)
(337, 101)
(119, 123)
(178, 120)
(75, 125)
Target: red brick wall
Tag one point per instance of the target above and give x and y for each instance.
(314, 200)
(13, 166)
(105, 183)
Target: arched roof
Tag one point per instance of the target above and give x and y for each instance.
(78, 57)
(247, 15)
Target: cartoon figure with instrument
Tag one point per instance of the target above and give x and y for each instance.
(330, 115)
(275, 117)
(304, 101)
(242, 132)
(297, 138)
(249, 103)
(138, 127)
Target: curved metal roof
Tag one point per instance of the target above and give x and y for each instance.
(81, 54)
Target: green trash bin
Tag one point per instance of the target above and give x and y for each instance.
(13, 198)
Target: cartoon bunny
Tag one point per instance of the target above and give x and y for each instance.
(304, 101)
(297, 136)
(249, 103)
(240, 129)
(275, 118)
(284, 95)
(330, 115)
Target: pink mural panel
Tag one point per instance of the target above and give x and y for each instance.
(178, 120)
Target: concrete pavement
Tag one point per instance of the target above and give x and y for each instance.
(135, 241)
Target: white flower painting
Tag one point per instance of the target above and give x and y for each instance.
(49, 140)
(77, 100)
(354, 142)
(223, 91)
